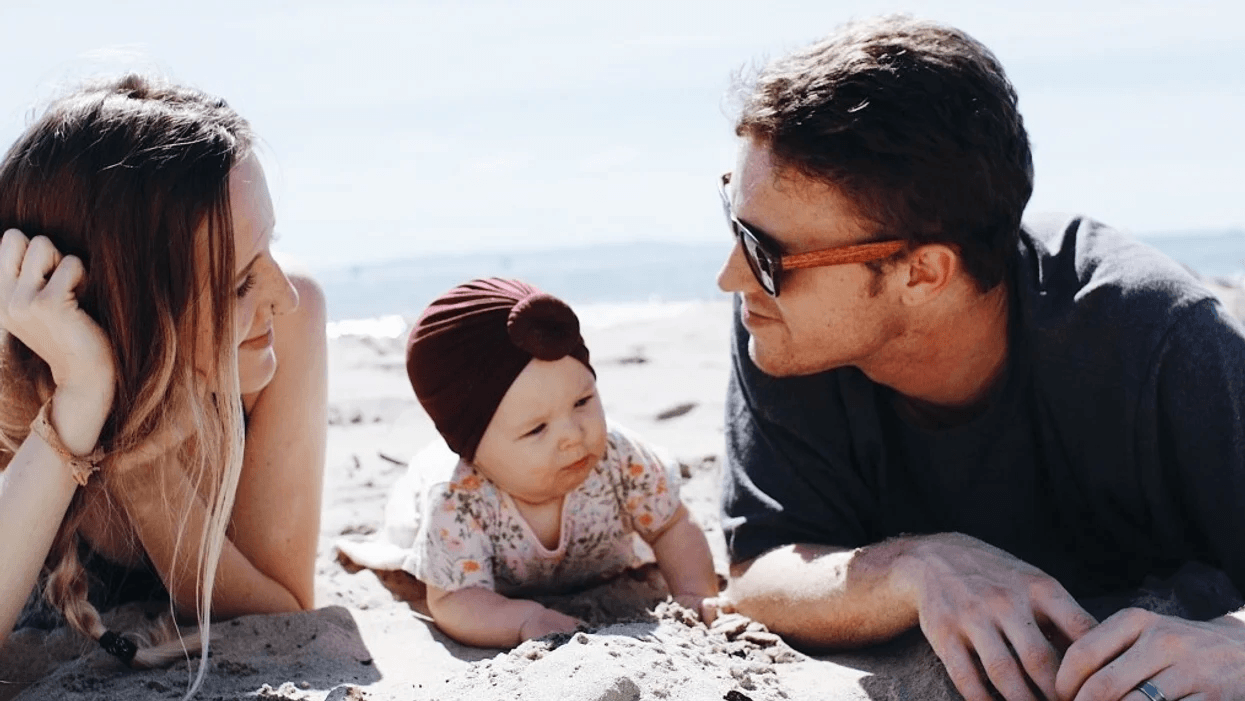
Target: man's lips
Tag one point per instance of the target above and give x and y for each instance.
(751, 315)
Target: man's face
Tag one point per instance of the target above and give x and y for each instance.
(825, 317)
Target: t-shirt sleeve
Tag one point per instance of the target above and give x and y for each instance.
(649, 496)
(793, 469)
(1200, 434)
(452, 550)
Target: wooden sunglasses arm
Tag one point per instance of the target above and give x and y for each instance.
(859, 253)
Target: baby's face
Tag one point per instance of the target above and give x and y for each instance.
(548, 432)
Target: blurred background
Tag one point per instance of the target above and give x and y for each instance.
(412, 145)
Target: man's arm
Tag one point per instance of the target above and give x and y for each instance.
(824, 596)
(975, 604)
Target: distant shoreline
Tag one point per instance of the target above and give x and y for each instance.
(637, 273)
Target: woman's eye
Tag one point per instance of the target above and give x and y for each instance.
(247, 283)
(583, 401)
(536, 431)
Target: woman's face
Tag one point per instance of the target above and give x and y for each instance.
(262, 290)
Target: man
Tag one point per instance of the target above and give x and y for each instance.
(940, 417)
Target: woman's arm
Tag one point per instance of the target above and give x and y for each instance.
(35, 491)
(276, 515)
(483, 618)
(38, 306)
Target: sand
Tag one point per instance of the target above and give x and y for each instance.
(371, 637)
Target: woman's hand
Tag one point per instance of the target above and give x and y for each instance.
(39, 306)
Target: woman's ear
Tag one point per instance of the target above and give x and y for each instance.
(930, 268)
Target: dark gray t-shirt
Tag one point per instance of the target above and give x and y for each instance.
(1113, 449)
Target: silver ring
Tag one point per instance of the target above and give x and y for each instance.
(1151, 691)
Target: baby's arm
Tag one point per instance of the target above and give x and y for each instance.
(683, 556)
(483, 618)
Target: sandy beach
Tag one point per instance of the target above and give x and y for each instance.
(663, 376)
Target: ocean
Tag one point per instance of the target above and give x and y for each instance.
(619, 281)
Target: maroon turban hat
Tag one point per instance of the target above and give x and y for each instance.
(471, 343)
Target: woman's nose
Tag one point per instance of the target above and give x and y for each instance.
(284, 298)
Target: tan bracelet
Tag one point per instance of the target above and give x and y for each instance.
(82, 466)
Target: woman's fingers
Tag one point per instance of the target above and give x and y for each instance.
(65, 279)
(40, 260)
(12, 250)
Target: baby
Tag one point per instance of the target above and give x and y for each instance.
(544, 495)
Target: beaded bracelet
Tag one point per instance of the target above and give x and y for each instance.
(82, 466)
(123, 649)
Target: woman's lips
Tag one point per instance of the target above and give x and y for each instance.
(258, 342)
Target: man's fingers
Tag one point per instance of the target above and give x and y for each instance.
(1169, 682)
(962, 669)
(1001, 666)
(1052, 603)
(1037, 657)
(1119, 677)
(1096, 649)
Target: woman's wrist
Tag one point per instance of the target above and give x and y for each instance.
(78, 413)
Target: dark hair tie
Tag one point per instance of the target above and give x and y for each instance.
(544, 326)
(121, 648)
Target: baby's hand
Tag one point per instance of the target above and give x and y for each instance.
(708, 607)
(544, 621)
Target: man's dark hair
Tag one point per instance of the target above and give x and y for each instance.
(915, 122)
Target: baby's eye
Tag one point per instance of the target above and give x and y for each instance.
(582, 401)
(536, 431)
(247, 283)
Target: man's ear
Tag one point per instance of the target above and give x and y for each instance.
(930, 268)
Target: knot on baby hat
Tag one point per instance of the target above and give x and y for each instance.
(544, 327)
(471, 343)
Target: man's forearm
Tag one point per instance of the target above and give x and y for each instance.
(823, 596)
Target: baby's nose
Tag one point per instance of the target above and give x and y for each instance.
(572, 435)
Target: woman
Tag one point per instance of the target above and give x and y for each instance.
(162, 382)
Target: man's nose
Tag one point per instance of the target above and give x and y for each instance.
(735, 274)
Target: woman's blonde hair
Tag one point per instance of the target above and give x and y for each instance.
(132, 176)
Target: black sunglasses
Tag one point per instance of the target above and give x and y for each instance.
(768, 266)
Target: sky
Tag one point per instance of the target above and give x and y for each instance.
(395, 129)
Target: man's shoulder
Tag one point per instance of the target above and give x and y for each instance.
(1094, 296)
(1073, 265)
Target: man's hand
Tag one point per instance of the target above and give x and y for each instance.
(982, 609)
(1184, 659)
